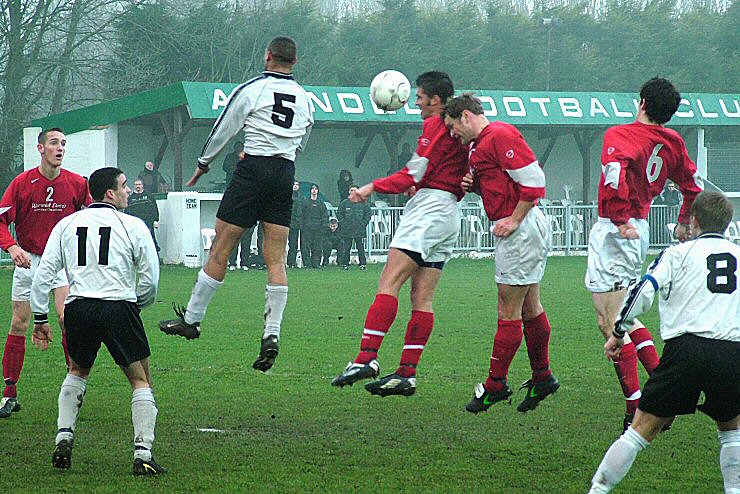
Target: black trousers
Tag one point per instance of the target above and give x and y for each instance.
(343, 257)
(311, 247)
(293, 236)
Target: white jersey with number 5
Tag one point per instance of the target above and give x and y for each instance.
(697, 285)
(104, 252)
(274, 112)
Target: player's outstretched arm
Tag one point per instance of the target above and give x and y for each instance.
(363, 193)
(199, 171)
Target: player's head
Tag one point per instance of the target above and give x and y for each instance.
(109, 185)
(711, 212)
(659, 99)
(281, 53)
(138, 186)
(433, 89)
(464, 117)
(51, 144)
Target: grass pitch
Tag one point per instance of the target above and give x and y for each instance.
(223, 427)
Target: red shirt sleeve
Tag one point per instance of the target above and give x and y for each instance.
(8, 217)
(686, 177)
(614, 190)
(517, 159)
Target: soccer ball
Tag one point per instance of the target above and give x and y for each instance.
(390, 90)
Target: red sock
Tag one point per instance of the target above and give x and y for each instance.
(417, 334)
(505, 344)
(645, 347)
(626, 367)
(537, 333)
(64, 346)
(380, 317)
(15, 351)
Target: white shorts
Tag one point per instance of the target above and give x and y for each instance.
(522, 256)
(23, 279)
(615, 262)
(430, 225)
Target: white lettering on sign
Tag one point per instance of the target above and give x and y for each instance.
(734, 114)
(597, 107)
(322, 103)
(684, 114)
(351, 97)
(493, 111)
(541, 102)
(617, 111)
(570, 107)
(219, 99)
(513, 100)
(704, 113)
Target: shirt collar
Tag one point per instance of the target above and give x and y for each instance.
(102, 205)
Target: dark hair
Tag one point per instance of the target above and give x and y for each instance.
(467, 101)
(661, 99)
(713, 211)
(283, 50)
(103, 180)
(345, 175)
(437, 83)
(42, 135)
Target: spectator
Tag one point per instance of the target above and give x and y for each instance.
(142, 205)
(313, 220)
(344, 183)
(353, 217)
(231, 160)
(244, 250)
(332, 241)
(295, 225)
(151, 178)
(671, 196)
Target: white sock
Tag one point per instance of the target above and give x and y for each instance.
(617, 461)
(203, 291)
(276, 296)
(144, 418)
(70, 402)
(729, 460)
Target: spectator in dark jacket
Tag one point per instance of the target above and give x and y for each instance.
(343, 184)
(332, 241)
(314, 218)
(142, 205)
(151, 178)
(295, 225)
(353, 219)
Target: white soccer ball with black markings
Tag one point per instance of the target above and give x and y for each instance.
(390, 90)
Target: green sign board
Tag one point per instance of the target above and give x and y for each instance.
(353, 104)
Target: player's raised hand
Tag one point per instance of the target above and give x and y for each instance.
(505, 227)
(467, 182)
(41, 336)
(411, 191)
(20, 257)
(613, 347)
(196, 175)
(682, 232)
(629, 231)
(362, 194)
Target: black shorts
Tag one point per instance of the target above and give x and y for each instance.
(416, 257)
(689, 365)
(90, 322)
(261, 189)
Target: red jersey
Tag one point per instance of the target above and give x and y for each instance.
(439, 163)
(505, 170)
(636, 160)
(37, 204)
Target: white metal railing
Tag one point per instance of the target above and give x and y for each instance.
(570, 226)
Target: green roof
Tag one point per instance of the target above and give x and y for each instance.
(204, 101)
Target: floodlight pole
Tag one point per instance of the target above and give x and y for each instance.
(550, 23)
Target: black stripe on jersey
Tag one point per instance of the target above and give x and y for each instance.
(226, 108)
(630, 302)
(279, 75)
(655, 262)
